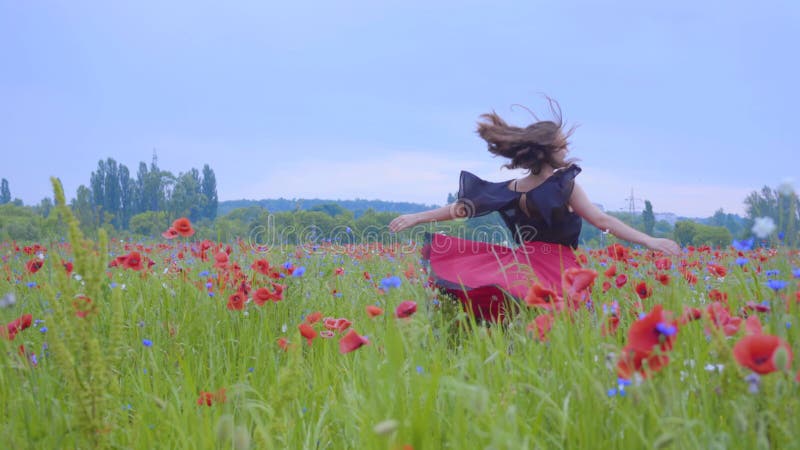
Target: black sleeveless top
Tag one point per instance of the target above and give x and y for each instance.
(547, 219)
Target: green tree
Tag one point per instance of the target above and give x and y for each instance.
(149, 223)
(648, 218)
(5, 192)
(711, 235)
(783, 206)
(684, 232)
(84, 211)
(209, 190)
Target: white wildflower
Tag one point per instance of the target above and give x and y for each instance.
(763, 227)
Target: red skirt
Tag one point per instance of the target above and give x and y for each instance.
(489, 279)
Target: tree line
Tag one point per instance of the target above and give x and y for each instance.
(114, 197)
(146, 205)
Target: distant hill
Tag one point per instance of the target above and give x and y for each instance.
(357, 206)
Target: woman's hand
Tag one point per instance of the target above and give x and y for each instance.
(664, 245)
(400, 223)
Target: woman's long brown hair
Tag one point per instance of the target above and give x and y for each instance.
(530, 147)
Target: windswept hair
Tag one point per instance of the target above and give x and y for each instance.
(530, 147)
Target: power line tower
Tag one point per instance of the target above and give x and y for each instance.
(631, 201)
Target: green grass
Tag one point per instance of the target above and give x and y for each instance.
(432, 381)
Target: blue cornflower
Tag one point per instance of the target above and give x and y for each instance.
(210, 293)
(612, 392)
(776, 285)
(665, 329)
(741, 261)
(203, 274)
(772, 273)
(43, 330)
(31, 284)
(299, 271)
(743, 245)
(209, 285)
(796, 272)
(390, 282)
(781, 235)
(348, 230)
(113, 285)
(251, 369)
(287, 265)
(420, 369)
(147, 342)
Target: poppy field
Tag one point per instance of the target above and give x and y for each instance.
(179, 343)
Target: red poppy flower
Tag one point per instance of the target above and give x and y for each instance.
(721, 318)
(643, 290)
(183, 227)
(236, 301)
(352, 341)
(690, 314)
(717, 270)
(540, 327)
(171, 233)
(663, 263)
(757, 352)
(261, 266)
(133, 260)
(314, 317)
(374, 311)
(654, 329)
(621, 280)
(367, 276)
(578, 280)
(261, 296)
(307, 332)
(209, 398)
(283, 343)
(540, 296)
(68, 267)
(611, 325)
(611, 271)
(717, 296)
(15, 326)
(34, 265)
(632, 361)
(405, 309)
(618, 252)
(606, 286)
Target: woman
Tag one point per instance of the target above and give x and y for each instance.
(543, 210)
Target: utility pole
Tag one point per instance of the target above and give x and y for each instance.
(631, 201)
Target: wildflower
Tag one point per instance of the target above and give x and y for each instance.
(374, 311)
(758, 352)
(776, 285)
(237, 301)
(352, 341)
(539, 296)
(390, 282)
(796, 272)
(171, 233)
(643, 290)
(540, 327)
(34, 265)
(741, 261)
(298, 272)
(621, 280)
(406, 309)
(147, 342)
(743, 245)
(307, 332)
(183, 227)
(763, 227)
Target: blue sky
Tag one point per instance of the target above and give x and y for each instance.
(691, 104)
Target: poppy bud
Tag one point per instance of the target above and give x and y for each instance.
(780, 358)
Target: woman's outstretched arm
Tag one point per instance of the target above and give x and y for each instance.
(448, 212)
(580, 203)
